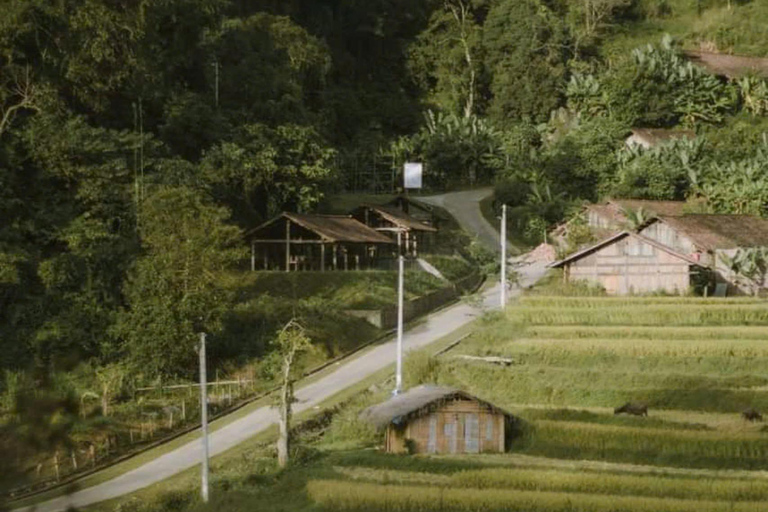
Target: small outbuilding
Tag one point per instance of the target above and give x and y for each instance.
(432, 419)
(389, 220)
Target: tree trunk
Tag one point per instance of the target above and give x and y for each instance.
(283, 441)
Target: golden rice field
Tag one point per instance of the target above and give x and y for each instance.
(697, 363)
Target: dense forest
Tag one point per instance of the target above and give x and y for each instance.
(139, 139)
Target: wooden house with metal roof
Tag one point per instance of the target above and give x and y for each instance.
(628, 263)
(414, 234)
(706, 238)
(432, 419)
(300, 241)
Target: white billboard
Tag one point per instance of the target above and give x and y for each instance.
(412, 174)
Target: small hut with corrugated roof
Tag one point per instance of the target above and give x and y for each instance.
(433, 419)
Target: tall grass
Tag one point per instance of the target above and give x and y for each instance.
(704, 449)
(663, 315)
(692, 333)
(352, 496)
(608, 483)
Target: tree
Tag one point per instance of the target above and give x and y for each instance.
(588, 18)
(525, 46)
(290, 344)
(446, 58)
(178, 287)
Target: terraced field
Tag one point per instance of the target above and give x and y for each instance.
(697, 363)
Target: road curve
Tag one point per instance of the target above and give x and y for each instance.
(347, 374)
(465, 208)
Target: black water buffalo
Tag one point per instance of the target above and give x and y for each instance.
(633, 408)
(751, 415)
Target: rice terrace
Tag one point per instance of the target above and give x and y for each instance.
(697, 363)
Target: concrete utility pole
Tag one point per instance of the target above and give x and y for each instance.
(400, 272)
(204, 415)
(503, 256)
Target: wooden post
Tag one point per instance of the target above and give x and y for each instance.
(183, 410)
(253, 256)
(92, 453)
(130, 435)
(74, 460)
(357, 262)
(346, 260)
(56, 465)
(287, 245)
(322, 257)
(170, 420)
(335, 250)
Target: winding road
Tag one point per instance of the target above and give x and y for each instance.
(464, 206)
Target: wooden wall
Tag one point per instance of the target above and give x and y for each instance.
(632, 266)
(461, 426)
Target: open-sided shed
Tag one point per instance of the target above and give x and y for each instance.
(388, 219)
(433, 419)
(297, 241)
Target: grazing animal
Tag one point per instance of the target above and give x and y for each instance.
(751, 415)
(633, 408)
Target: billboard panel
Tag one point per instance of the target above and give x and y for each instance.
(412, 174)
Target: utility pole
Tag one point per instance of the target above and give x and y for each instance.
(503, 256)
(400, 272)
(204, 414)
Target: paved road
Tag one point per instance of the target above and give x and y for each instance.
(436, 326)
(465, 207)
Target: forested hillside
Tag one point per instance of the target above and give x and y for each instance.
(139, 139)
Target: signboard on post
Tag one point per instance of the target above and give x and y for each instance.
(412, 174)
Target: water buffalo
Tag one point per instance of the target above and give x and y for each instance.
(751, 415)
(633, 408)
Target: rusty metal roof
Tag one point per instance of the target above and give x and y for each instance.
(710, 232)
(731, 66)
(399, 218)
(415, 402)
(331, 228)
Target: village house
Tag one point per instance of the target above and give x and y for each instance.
(706, 238)
(651, 137)
(628, 263)
(431, 419)
(299, 241)
(413, 234)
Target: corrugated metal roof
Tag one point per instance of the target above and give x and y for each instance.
(415, 402)
(712, 232)
(332, 228)
(399, 218)
(668, 208)
(731, 66)
(655, 136)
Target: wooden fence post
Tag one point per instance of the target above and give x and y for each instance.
(74, 460)
(92, 453)
(183, 410)
(170, 421)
